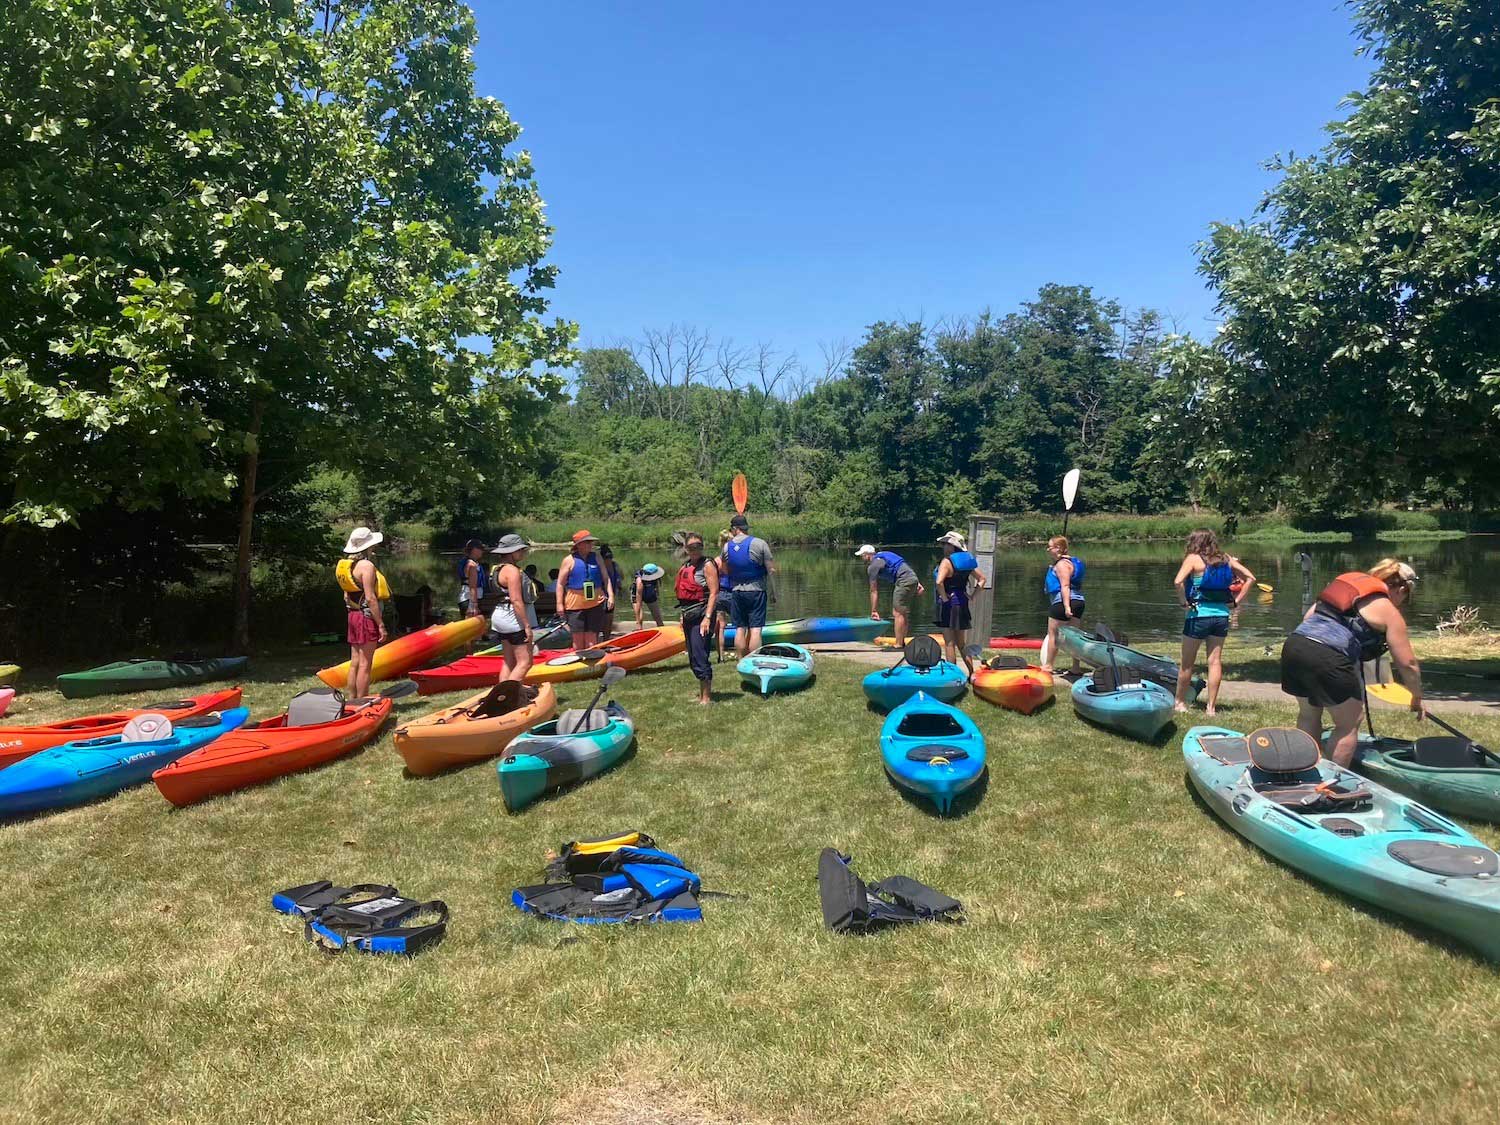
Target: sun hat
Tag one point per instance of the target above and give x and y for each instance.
(361, 539)
(866, 549)
(584, 536)
(651, 572)
(954, 539)
(509, 545)
(1406, 573)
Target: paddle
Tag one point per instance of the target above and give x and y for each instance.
(612, 675)
(970, 654)
(740, 490)
(399, 690)
(1070, 493)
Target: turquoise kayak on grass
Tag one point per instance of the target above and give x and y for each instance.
(1133, 664)
(573, 747)
(1353, 834)
(1140, 710)
(932, 750)
(1443, 772)
(888, 688)
(816, 630)
(778, 667)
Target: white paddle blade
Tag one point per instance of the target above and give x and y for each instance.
(1070, 488)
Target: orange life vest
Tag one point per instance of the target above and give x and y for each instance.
(1348, 590)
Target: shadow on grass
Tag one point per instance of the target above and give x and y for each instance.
(963, 804)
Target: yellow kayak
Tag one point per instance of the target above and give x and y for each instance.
(8, 673)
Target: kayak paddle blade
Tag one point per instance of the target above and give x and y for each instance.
(1070, 488)
(1391, 693)
(740, 490)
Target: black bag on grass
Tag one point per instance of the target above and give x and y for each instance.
(849, 906)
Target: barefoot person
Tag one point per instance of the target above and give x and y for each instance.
(1356, 618)
(364, 586)
(957, 575)
(1204, 582)
(1063, 588)
(726, 588)
(473, 582)
(751, 572)
(509, 618)
(697, 590)
(584, 592)
(887, 566)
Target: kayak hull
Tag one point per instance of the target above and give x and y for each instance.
(253, 755)
(1140, 710)
(633, 650)
(932, 751)
(888, 688)
(1132, 663)
(776, 667)
(8, 673)
(1466, 908)
(1016, 689)
(21, 742)
(449, 738)
(81, 771)
(1032, 643)
(1468, 792)
(541, 761)
(815, 630)
(395, 659)
(6, 695)
(147, 675)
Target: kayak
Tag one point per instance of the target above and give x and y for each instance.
(556, 754)
(888, 688)
(475, 729)
(6, 695)
(778, 667)
(816, 630)
(263, 751)
(21, 742)
(9, 672)
(1443, 772)
(80, 771)
(1017, 689)
(633, 650)
(147, 675)
(994, 642)
(1132, 663)
(1141, 710)
(396, 658)
(1356, 836)
(932, 750)
(551, 633)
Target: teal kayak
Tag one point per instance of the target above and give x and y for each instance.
(778, 667)
(888, 688)
(1141, 710)
(816, 630)
(148, 675)
(1132, 663)
(1444, 772)
(563, 752)
(1353, 834)
(932, 750)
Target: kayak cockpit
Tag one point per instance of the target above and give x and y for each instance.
(929, 724)
(1442, 752)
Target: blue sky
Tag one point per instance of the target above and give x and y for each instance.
(791, 173)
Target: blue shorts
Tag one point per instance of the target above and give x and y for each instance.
(1201, 628)
(747, 609)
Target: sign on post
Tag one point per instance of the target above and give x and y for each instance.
(984, 534)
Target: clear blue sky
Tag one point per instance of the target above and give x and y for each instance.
(793, 172)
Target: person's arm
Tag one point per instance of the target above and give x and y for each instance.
(609, 586)
(518, 598)
(1184, 572)
(1065, 580)
(944, 572)
(711, 576)
(368, 584)
(562, 582)
(1397, 637)
(1245, 576)
(872, 571)
(638, 599)
(771, 573)
(471, 571)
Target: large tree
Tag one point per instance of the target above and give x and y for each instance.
(240, 239)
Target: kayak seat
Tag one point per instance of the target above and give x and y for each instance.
(923, 652)
(149, 728)
(1105, 682)
(1230, 751)
(772, 665)
(1450, 860)
(1283, 750)
(580, 722)
(936, 750)
(929, 726)
(502, 699)
(1001, 663)
(785, 652)
(1447, 752)
(1284, 769)
(311, 708)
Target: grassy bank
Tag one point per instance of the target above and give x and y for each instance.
(1126, 956)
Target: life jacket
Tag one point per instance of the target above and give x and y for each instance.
(482, 584)
(650, 589)
(585, 587)
(344, 573)
(501, 589)
(368, 917)
(849, 906)
(1213, 586)
(742, 565)
(621, 878)
(1053, 587)
(691, 587)
(955, 589)
(892, 565)
(1337, 622)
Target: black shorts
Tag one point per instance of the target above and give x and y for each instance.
(954, 617)
(589, 620)
(513, 638)
(1201, 628)
(1055, 611)
(1323, 676)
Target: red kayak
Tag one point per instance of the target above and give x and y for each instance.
(21, 742)
(472, 672)
(267, 750)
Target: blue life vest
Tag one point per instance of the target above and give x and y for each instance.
(1210, 590)
(1346, 632)
(1053, 587)
(963, 561)
(955, 590)
(650, 588)
(892, 564)
(742, 566)
(482, 583)
(586, 570)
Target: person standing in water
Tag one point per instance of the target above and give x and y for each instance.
(752, 571)
(887, 566)
(1204, 582)
(473, 582)
(697, 590)
(364, 587)
(1063, 588)
(509, 618)
(584, 591)
(956, 576)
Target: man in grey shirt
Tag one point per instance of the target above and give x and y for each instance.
(887, 566)
(750, 566)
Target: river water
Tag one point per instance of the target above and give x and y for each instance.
(1128, 585)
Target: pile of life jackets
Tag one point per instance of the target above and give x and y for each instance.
(619, 878)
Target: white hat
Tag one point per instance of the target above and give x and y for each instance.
(865, 550)
(362, 539)
(953, 539)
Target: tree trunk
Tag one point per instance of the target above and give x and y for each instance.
(248, 466)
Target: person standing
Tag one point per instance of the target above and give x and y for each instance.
(957, 575)
(473, 582)
(530, 588)
(697, 590)
(509, 618)
(887, 566)
(364, 587)
(1063, 588)
(584, 591)
(1204, 582)
(752, 570)
(616, 584)
(647, 593)
(725, 603)
(1357, 617)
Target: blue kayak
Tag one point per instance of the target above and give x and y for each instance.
(1348, 832)
(891, 687)
(816, 630)
(778, 667)
(932, 750)
(80, 771)
(1140, 710)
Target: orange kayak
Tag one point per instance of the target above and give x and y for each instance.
(1019, 689)
(21, 742)
(267, 750)
(470, 731)
(633, 650)
(396, 658)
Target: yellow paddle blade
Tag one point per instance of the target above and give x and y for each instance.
(740, 489)
(1391, 693)
(1265, 587)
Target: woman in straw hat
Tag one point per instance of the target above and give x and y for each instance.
(362, 593)
(509, 618)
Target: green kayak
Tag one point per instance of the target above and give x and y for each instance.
(1446, 773)
(148, 675)
(1132, 663)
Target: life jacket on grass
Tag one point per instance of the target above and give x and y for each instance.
(368, 917)
(620, 878)
(849, 906)
(344, 573)
(1337, 622)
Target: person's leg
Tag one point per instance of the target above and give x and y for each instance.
(1215, 647)
(1049, 646)
(656, 614)
(757, 615)
(697, 648)
(1185, 672)
(1309, 717)
(366, 662)
(1345, 737)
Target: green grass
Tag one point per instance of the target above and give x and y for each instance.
(1416, 535)
(1126, 956)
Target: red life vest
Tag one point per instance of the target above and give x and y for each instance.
(687, 588)
(1346, 591)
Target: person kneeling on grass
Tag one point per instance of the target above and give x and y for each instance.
(887, 566)
(647, 593)
(697, 590)
(751, 571)
(1204, 582)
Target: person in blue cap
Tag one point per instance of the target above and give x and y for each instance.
(647, 594)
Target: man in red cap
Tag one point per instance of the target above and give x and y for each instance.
(584, 592)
